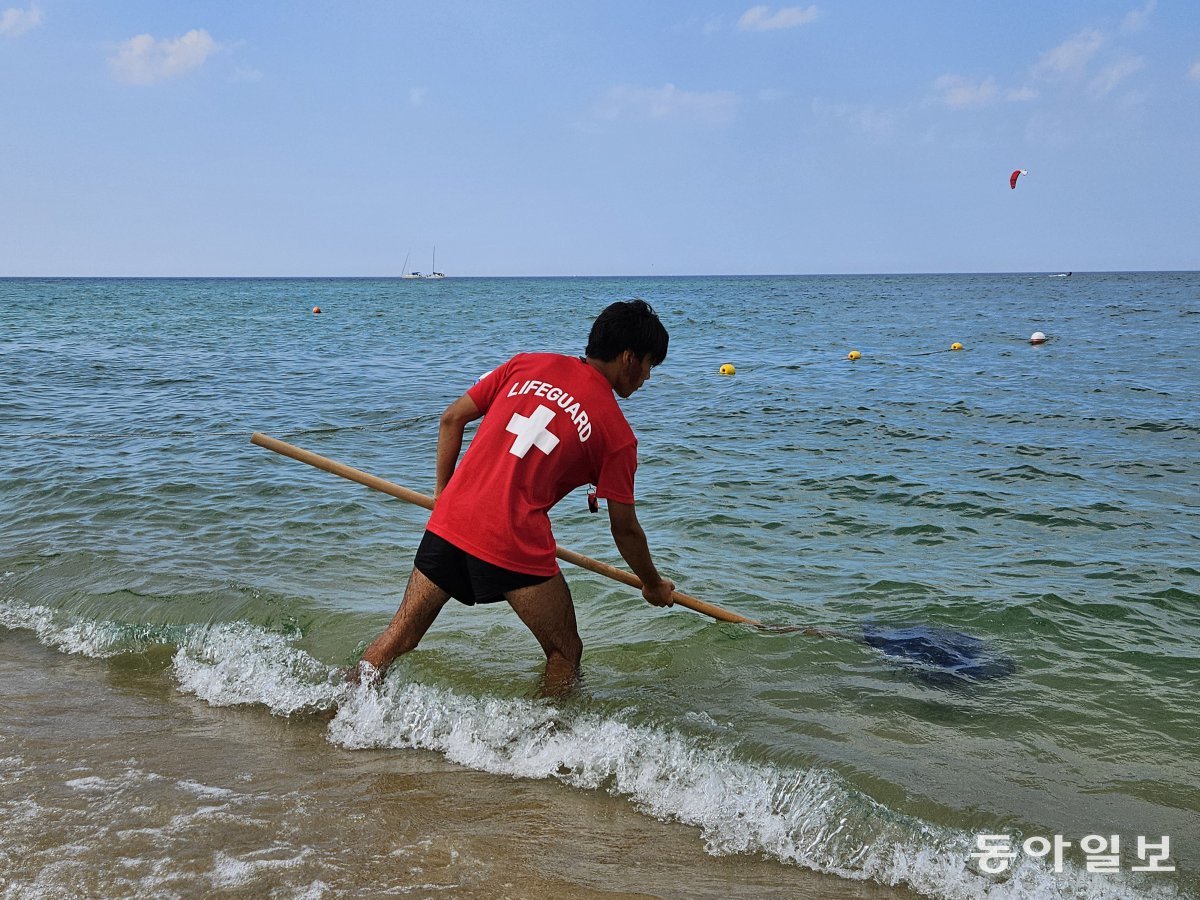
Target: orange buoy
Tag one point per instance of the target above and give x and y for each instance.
(316, 310)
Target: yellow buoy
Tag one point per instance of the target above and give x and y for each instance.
(728, 369)
(956, 346)
(853, 354)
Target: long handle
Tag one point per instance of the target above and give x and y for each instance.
(409, 496)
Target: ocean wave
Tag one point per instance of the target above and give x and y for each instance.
(806, 817)
(810, 817)
(85, 637)
(238, 663)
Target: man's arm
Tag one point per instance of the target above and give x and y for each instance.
(450, 435)
(631, 541)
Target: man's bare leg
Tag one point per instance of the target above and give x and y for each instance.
(547, 611)
(422, 602)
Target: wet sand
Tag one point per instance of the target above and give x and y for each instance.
(114, 784)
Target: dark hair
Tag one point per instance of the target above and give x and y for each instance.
(628, 325)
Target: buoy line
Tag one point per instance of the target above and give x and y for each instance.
(1036, 339)
(855, 355)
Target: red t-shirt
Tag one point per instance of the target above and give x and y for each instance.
(551, 423)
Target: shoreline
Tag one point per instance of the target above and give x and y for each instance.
(116, 783)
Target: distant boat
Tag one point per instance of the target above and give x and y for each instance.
(432, 274)
(404, 271)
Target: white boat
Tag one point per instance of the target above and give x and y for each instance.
(432, 274)
(404, 271)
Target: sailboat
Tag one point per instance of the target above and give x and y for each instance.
(407, 274)
(434, 273)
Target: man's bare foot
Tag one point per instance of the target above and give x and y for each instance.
(362, 672)
(559, 680)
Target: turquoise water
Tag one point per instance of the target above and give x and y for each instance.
(1041, 498)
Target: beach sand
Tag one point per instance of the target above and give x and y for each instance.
(112, 783)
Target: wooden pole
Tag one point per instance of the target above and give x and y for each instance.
(409, 496)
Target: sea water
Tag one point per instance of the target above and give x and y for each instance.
(176, 603)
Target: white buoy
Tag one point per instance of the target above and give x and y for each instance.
(1037, 338)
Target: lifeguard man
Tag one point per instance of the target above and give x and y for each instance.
(551, 423)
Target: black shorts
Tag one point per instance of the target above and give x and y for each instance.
(466, 578)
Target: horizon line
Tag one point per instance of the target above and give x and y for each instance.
(676, 275)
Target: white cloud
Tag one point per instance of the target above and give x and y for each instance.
(1093, 60)
(144, 60)
(960, 92)
(1112, 75)
(668, 102)
(14, 21)
(1194, 71)
(760, 18)
(1072, 55)
(1135, 20)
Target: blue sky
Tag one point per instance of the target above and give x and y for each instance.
(604, 138)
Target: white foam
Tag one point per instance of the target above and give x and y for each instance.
(230, 872)
(314, 891)
(807, 817)
(205, 791)
(23, 810)
(12, 766)
(232, 664)
(98, 639)
(703, 719)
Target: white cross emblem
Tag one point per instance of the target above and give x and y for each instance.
(531, 431)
